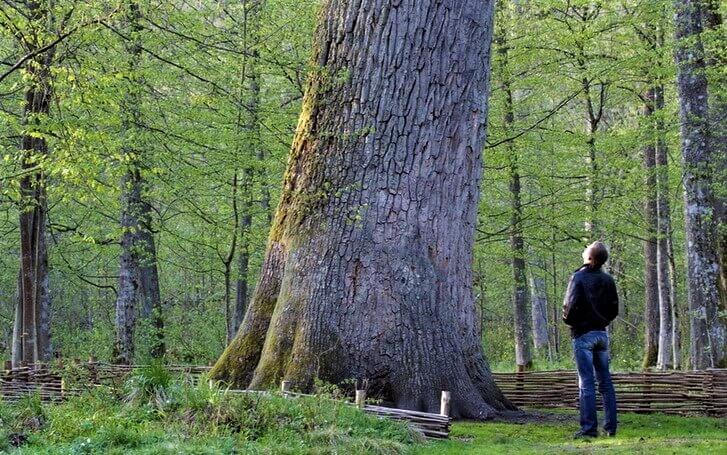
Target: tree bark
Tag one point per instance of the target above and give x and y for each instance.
(651, 282)
(539, 310)
(368, 268)
(707, 328)
(520, 297)
(250, 92)
(717, 81)
(34, 292)
(667, 355)
(138, 273)
(16, 346)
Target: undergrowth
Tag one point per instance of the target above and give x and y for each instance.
(159, 414)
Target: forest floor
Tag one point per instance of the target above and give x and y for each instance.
(157, 414)
(637, 433)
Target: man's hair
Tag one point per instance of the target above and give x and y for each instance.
(598, 253)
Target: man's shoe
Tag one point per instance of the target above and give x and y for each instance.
(582, 435)
(610, 434)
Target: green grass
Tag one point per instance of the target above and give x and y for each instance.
(155, 414)
(638, 433)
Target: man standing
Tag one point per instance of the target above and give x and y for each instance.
(591, 303)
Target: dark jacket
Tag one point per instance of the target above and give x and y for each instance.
(591, 301)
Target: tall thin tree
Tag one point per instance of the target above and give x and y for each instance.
(707, 326)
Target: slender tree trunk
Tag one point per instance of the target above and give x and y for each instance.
(35, 331)
(138, 273)
(16, 347)
(149, 282)
(521, 307)
(717, 81)
(249, 123)
(520, 297)
(227, 261)
(593, 119)
(368, 268)
(651, 282)
(243, 267)
(707, 328)
(539, 310)
(554, 311)
(128, 282)
(676, 333)
(667, 356)
(45, 348)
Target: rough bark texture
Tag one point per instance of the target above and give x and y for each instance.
(34, 292)
(368, 268)
(651, 283)
(707, 328)
(717, 81)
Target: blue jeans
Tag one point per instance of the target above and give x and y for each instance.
(591, 354)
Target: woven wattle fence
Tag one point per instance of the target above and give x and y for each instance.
(678, 392)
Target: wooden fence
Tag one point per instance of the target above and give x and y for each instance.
(677, 392)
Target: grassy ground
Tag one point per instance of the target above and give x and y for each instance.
(156, 414)
(638, 433)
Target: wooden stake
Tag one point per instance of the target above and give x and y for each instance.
(360, 398)
(8, 365)
(445, 403)
(285, 386)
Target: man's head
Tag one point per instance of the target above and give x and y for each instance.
(595, 254)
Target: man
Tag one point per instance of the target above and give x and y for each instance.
(591, 303)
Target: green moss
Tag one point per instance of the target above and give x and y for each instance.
(238, 361)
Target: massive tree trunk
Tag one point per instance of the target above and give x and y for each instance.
(33, 290)
(138, 274)
(368, 268)
(651, 283)
(707, 327)
(667, 356)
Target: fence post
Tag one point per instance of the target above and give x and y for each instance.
(360, 398)
(91, 366)
(444, 404)
(285, 387)
(8, 365)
